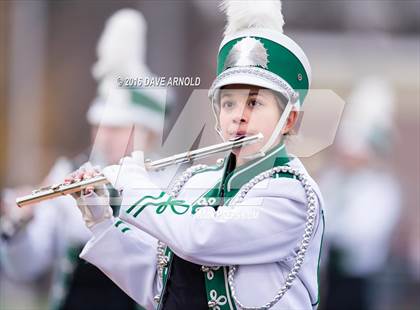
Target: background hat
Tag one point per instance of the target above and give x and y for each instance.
(367, 122)
(121, 49)
(124, 107)
(121, 52)
(255, 51)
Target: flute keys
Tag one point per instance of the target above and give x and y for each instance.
(55, 186)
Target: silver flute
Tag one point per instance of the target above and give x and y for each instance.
(60, 189)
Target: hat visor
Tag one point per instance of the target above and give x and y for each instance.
(249, 77)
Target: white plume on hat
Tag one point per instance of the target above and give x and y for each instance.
(121, 53)
(256, 19)
(368, 117)
(248, 14)
(122, 46)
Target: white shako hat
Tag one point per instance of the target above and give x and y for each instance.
(255, 51)
(121, 52)
(368, 120)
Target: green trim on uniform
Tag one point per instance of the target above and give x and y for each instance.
(277, 156)
(165, 275)
(142, 199)
(122, 226)
(171, 202)
(65, 276)
(138, 98)
(118, 223)
(217, 290)
(281, 62)
(210, 168)
(319, 260)
(161, 206)
(209, 199)
(177, 206)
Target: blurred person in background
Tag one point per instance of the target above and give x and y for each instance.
(361, 197)
(52, 233)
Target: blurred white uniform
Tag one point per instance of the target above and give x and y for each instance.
(362, 198)
(362, 208)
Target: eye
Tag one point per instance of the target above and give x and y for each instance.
(253, 103)
(227, 104)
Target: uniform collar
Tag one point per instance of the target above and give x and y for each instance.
(234, 178)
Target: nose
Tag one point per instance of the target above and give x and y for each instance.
(240, 114)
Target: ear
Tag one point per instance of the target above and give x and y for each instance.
(291, 122)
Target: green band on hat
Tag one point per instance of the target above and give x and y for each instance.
(281, 61)
(141, 99)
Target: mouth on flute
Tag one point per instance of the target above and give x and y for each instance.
(238, 136)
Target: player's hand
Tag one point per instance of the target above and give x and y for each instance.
(85, 172)
(93, 201)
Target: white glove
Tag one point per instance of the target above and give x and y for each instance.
(95, 206)
(93, 202)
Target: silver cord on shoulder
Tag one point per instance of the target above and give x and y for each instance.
(304, 244)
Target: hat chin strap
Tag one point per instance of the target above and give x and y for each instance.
(276, 132)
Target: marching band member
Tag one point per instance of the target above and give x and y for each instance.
(358, 177)
(245, 233)
(56, 232)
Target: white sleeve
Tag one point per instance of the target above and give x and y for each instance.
(127, 256)
(266, 227)
(30, 252)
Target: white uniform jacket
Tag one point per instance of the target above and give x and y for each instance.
(261, 236)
